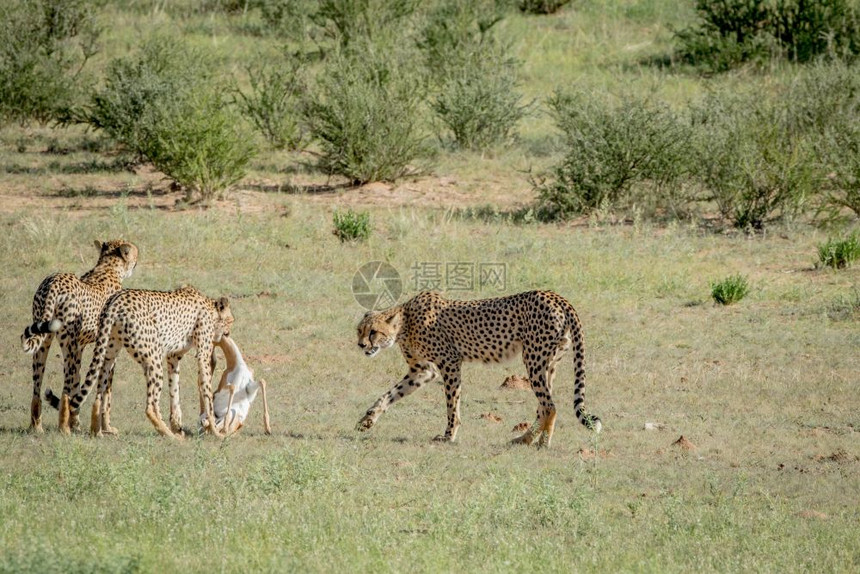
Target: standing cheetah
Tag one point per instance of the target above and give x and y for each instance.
(68, 308)
(436, 335)
(153, 325)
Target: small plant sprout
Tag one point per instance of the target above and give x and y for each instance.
(730, 290)
(350, 225)
(839, 253)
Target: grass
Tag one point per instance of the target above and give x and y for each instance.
(763, 393)
(839, 253)
(766, 391)
(351, 225)
(730, 290)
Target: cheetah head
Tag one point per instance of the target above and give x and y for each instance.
(378, 330)
(224, 323)
(123, 251)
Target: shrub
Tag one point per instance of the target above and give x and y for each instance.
(757, 168)
(731, 32)
(609, 148)
(479, 103)
(289, 18)
(163, 105)
(541, 6)
(839, 253)
(454, 31)
(365, 114)
(349, 20)
(351, 225)
(273, 104)
(730, 290)
(44, 45)
(199, 144)
(475, 79)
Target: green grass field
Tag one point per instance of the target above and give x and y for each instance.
(766, 390)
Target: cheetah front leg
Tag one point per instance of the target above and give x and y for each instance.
(419, 374)
(204, 386)
(173, 389)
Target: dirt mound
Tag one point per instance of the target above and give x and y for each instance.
(517, 383)
(493, 417)
(812, 514)
(521, 427)
(590, 454)
(684, 444)
(839, 456)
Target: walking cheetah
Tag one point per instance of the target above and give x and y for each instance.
(68, 308)
(436, 335)
(153, 325)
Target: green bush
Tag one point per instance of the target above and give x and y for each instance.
(541, 6)
(289, 18)
(163, 104)
(747, 156)
(273, 104)
(731, 32)
(365, 114)
(351, 225)
(609, 148)
(479, 102)
(474, 78)
(730, 290)
(839, 253)
(44, 45)
(199, 143)
(455, 32)
(349, 20)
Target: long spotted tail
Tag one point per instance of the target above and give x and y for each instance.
(52, 399)
(34, 335)
(106, 324)
(590, 421)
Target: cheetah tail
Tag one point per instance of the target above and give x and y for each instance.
(79, 393)
(34, 335)
(590, 421)
(52, 399)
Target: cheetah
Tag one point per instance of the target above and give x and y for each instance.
(68, 308)
(436, 335)
(153, 325)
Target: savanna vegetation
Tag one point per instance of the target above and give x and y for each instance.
(687, 174)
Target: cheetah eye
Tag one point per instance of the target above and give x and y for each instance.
(372, 333)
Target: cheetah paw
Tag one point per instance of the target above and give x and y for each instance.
(365, 424)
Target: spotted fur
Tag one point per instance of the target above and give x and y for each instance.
(437, 335)
(152, 326)
(68, 308)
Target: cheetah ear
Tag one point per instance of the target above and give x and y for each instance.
(125, 251)
(223, 303)
(395, 320)
(98, 244)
